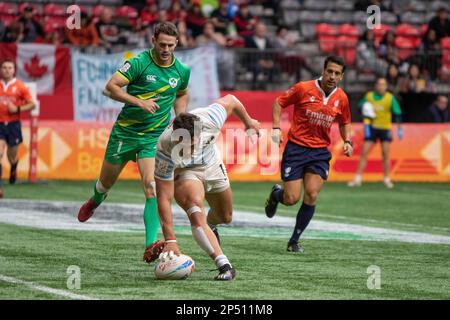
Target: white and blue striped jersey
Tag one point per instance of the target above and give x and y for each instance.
(212, 119)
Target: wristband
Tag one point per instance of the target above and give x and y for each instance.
(170, 240)
(349, 142)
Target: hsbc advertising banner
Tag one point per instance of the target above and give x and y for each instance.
(91, 72)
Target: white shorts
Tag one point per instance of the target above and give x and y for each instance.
(214, 177)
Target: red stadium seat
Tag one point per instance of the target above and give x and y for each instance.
(55, 22)
(7, 19)
(325, 29)
(423, 29)
(347, 29)
(7, 8)
(54, 10)
(406, 47)
(407, 30)
(445, 43)
(127, 12)
(97, 11)
(346, 47)
(327, 44)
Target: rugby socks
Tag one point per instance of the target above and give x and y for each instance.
(221, 261)
(358, 179)
(304, 216)
(99, 193)
(278, 195)
(14, 166)
(151, 221)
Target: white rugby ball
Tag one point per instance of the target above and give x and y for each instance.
(174, 268)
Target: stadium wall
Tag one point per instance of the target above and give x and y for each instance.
(74, 150)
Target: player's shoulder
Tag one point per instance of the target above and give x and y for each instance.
(20, 85)
(140, 58)
(182, 67)
(341, 94)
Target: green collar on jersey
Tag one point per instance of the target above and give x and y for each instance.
(154, 60)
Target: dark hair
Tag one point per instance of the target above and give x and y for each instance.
(334, 59)
(186, 121)
(167, 28)
(7, 60)
(380, 78)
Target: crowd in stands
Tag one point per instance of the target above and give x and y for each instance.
(412, 57)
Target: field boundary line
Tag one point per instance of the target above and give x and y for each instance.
(38, 287)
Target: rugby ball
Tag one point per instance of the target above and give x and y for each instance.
(174, 268)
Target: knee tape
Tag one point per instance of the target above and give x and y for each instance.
(202, 240)
(193, 209)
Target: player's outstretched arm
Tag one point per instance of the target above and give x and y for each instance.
(232, 105)
(114, 90)
(164, 196)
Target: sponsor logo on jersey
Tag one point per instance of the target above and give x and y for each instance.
(336, 103)
(287, 171)
(125, 67)
(151, 78)
(312, 99)
(173, 82)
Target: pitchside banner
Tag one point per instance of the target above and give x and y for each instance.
(75, 150)
(91, 72)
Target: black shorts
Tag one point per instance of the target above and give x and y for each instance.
(11, 132)
(297, 160)
(373, 134)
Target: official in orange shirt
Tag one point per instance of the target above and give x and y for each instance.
(14, 99)
(317, 104)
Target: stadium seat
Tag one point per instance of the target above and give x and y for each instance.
(415, 18)
(7, 19)
(346, 47)
(53, 23)
(7, 8)
(423, 29)
(310, 16)
(54, 10)
(325, 29)
(327, 43)
(97, 11)
(388, 18)
(337, 17)
(127, 12)
(405, 47)
(318, 4)
(445, 43)
(347, 29)
(344, 5)
(407, 30)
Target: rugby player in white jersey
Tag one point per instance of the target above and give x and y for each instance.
(189, 168)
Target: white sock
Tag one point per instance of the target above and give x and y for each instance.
(221, 260)
(358, 178)
(387, 180)
(100, 188)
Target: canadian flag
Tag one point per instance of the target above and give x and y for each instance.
(45, 64)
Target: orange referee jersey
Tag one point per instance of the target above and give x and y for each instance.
(314, 113)
(16, 92)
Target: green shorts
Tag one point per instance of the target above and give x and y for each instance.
(124, 146)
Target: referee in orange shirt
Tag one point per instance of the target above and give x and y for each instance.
(14, 99)
(305, 163)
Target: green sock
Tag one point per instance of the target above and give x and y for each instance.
(97, 197)
(151, 221)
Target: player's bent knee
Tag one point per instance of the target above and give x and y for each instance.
(290, 199)
(311, 197)
(227, 217)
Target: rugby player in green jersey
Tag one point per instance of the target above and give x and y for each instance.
(156, 81)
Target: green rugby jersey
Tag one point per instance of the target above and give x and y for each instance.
(149, 80)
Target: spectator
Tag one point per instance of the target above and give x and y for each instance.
(440, 24)
(439, 111)
(225, 58)
(244, 21)
(14, 32)
(290, 61)
(431, 50)
(393, 79)
(415, 81)
(387, 49)
(261, 64)
(195, 19)
(221, 18)
(176, 12)
(2, 30)
(366, 55)
(32, 29)
(167, 4)
(163, 16)
(150, 14)
(108, 30)
(86, 36)
(185, 39)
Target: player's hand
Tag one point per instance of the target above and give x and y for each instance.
(400, 133)
(12, 108)
(149, 105)
(277, 136)
(170, 248)
(253, 128)
(348, 149)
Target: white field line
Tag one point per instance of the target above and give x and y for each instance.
(241, 219)
(38, 287)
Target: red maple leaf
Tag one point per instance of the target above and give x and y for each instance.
(34, 68)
